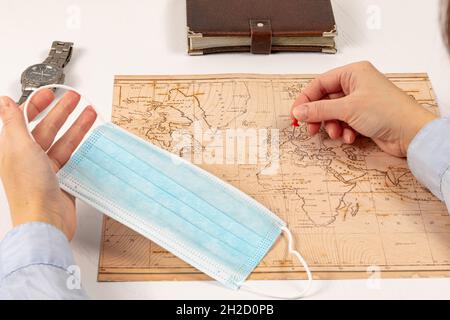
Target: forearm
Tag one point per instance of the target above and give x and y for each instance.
(36, 262)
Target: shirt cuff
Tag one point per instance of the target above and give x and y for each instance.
(34, 243)
(429, 155)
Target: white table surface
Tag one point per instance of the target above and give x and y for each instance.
(148, 37)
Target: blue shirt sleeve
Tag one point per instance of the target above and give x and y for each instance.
(429, 158)
(36, 262)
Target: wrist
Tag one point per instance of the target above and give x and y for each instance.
(32, 216)
(414, 127)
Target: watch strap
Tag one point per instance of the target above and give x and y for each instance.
(59, 56)
(24, 97)
(60, 53)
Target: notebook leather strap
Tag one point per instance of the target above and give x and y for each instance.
(261, 34)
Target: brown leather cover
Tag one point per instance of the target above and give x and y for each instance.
(286, 18)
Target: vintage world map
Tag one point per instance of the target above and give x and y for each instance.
(353, 209)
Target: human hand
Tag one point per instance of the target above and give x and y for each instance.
(358, 99)
(28, 168)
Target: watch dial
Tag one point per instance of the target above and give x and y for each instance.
(43, 73)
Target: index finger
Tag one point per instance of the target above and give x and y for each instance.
(329, 83)
(40, 101)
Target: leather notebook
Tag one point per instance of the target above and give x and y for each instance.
(260, 26)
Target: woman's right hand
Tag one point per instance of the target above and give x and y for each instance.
(358, 99)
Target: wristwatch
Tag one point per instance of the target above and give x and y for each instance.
(48, 72)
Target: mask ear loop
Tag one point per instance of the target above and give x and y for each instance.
(53, 86)
(302, 261)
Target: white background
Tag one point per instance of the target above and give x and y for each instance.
(148, 37)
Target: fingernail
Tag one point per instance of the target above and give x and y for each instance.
(301, 113)
(331, 133)
(347, 136)
(6, 109)
(4, 102)
(74, 93)
(91, 109)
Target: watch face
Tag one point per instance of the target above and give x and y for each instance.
(42, 74)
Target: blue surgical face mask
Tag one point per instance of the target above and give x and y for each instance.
(196, 216)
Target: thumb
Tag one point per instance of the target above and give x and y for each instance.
(322, 110)
(12, 117)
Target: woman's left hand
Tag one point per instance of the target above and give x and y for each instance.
(28, 167)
